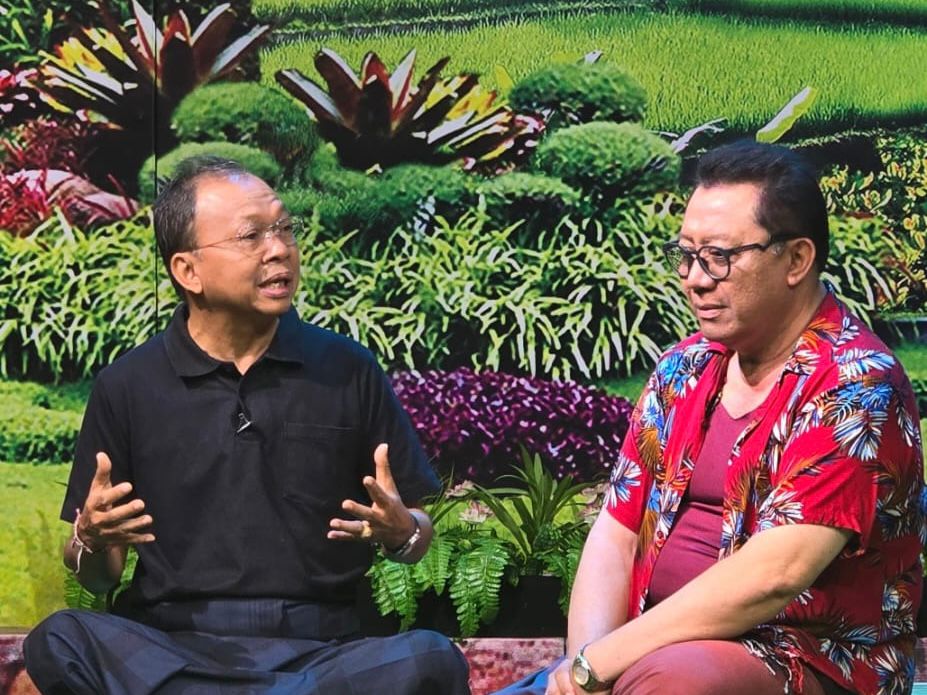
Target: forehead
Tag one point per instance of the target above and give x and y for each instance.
(724, 214)
(231, 201)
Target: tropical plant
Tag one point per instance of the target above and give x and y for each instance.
(134, 81)
(489, 537)
(46, 143)
(896, 195)
(535, 201)
(380, 119)
(19, 99)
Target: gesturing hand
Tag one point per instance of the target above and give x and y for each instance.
(102, 522)
(387, 520)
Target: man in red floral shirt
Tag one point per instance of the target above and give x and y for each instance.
(763, 525)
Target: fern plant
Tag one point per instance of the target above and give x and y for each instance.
(477, 581)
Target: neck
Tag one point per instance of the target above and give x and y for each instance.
(761, 363)
(231, 338)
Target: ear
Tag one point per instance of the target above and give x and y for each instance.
(183, 268)
(801, 254)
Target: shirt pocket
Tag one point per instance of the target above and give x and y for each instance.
(321, 466)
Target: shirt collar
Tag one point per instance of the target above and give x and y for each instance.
(189, 360)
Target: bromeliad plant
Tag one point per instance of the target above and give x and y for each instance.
(133, 81)
(537, 526)
(378, 118)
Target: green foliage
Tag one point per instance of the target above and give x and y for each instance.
(574, 93)
(301, 202)
(537, 502)
(378, 118)
(31, 571)
(608, 161)
(395, 590)
(246, 113)
(38, 435)
(477, 582)
(539, 202)
(695, 68)
(903, 12)
(898, 195)
(159, 168)
(74, 301)
(589, 300)
(76, 596)
(859, 264)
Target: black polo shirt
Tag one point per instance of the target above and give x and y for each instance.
(242, 474)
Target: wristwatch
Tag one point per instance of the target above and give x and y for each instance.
(584, 676)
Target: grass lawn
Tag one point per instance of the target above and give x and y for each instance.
(31, 572)
(695, 68)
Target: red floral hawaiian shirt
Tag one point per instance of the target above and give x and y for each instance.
(836, 443)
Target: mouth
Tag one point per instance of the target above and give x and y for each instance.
(708, 311)
(277, 285)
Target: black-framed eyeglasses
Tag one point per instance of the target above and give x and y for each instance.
(251, 241)
(715, 261)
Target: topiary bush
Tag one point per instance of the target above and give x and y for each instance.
(247, 113)
(539, 202)
(158, 168)
(39, 424)
(475, 424)
(573, 93)
(608, 161)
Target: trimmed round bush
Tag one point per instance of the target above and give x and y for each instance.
(608, 161)
(574, 93)
(259, 163)
(539, 201)
(246, 113)
(301, 202)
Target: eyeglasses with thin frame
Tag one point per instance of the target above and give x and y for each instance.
(251, 241)
(715, 261)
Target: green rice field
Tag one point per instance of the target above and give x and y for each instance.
(695, 68)
(896, 11)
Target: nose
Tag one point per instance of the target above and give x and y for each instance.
(274, 246)
(697, 277)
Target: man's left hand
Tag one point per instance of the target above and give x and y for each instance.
(387, 521)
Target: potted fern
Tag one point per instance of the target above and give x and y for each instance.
(501, 564)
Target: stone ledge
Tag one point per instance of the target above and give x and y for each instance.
(494, 662)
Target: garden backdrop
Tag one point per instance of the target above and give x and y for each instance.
(486, 187)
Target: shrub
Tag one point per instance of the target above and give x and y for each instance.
(608, 161)
(73, 302)
(156, 169)
(301, 202)
(473, 424)
(246, 113)
(38, 424)
(538, 201)
(898, 195)
(573, 93)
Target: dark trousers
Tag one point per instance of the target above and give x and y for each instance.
(81, 652)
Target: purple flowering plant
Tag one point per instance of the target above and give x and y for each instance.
(475, 425)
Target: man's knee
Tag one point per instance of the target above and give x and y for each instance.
(438, 660)
(49, 650)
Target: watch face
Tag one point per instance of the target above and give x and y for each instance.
(580, 674)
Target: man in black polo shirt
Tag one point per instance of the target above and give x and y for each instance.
(235, 451)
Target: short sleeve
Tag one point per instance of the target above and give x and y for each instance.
(631, 475)
(849, 460)
(387, 421)
(101, 430)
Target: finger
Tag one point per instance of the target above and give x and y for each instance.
(134, 538)
(383, 473)
(380, 495)
(109, 496)
(342, 536)
(117, 515)
(354, 528)
(358, 510)
(101, 478)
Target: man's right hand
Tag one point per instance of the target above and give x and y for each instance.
(102, 521)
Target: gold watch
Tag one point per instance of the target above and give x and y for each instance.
(584, 676)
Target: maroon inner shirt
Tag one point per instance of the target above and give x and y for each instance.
(694, 542)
